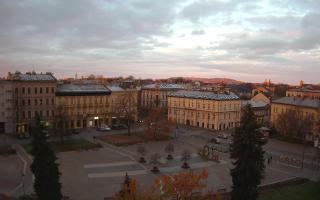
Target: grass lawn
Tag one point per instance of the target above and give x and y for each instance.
(6, 150)
(124, 140)
(69, 145)
(306, 191)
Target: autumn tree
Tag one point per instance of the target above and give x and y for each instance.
(183, 186)
(188, 185)
(127, 108)
(157, 124)
(248, 157)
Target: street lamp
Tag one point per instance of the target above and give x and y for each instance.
(22, 182)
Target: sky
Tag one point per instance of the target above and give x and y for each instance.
(247, 40)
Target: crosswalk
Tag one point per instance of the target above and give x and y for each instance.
(134, 168)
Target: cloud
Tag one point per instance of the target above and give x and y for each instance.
(197, 32)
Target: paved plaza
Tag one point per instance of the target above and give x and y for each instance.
(99, 173)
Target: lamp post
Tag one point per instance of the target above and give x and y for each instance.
(22, 180)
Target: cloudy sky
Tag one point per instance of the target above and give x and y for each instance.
(248, 40)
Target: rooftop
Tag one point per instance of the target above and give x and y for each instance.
(205, 95)
(256, 104)
(82, 89)
(304, 90)
(32, 76)
(299, 101)
(164, 86)
(115, 88)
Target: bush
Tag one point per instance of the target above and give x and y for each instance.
(7, 150)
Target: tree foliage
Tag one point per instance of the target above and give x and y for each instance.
(44, 167)
(182, 186)
(248, 158)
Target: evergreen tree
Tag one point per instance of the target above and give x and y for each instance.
(44, 167)
(248, 158)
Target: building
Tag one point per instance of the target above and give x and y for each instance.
(212, 110)
(261, 110)
(116, 98)
(6, 107)
(34, 94)
(303, 92)
(305, 106)
(155, 95)
(261, 107)
(83, 105)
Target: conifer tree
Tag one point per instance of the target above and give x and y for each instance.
(44, 167)
(248, 158)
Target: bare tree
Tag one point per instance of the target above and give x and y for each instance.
(157, 124)
(59, 121)
(142, 152)
(185, 158)
(293, 123)
(169, 149)
(154, 160)
(126, 108)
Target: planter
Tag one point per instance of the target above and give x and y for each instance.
(155, 169)
(142, 160)
(185, 166)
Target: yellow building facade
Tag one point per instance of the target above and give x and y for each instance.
(116, 97)
(217, 111)
(83, 105)
(156, 95)
(305, 106)
(303, 92)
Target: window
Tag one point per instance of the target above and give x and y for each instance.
(29, 114)
(40, 101)
(40, 112)
(52, 112)
(47, 90)
(40, 90)
(16, 90)
(23, 115)
(29, 102)
(52, 101)
(47, 101)
(52, 90)
(29, 90)
(23, 90)
(35, 90)
(48, 114)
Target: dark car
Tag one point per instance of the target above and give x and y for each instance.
(75, 131)
(119, 126)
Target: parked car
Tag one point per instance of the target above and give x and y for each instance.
(75, 131)
(103, 127)
(46, 134)
(119, 126)
(215, 140)
(223, 136)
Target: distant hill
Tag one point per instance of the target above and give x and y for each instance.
(214, 80)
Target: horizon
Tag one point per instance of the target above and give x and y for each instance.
(234, 39)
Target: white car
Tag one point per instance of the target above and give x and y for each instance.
(103, 127)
